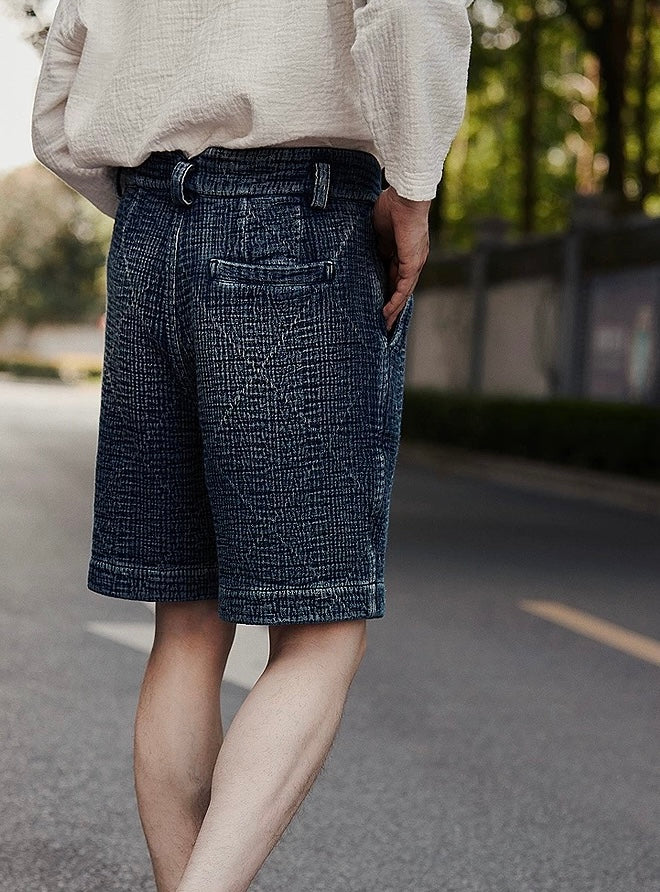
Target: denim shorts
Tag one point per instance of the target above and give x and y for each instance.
(251, 395)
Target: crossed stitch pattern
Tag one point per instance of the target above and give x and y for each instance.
(259, 375)
(122, 325)
(281, 510)
(260, 372)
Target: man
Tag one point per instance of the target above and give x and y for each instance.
(170, 103)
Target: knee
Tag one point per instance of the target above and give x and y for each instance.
(192, 622)
(343, 641)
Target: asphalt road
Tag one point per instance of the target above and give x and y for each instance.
(483, 747)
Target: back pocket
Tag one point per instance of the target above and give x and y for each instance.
(276, 275)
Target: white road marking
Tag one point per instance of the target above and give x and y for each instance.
(640, 646)
(247, 658)
(139, 636)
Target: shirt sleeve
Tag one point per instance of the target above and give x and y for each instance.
(412, 60)
(59, 64)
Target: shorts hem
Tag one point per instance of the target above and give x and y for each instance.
(152, 583)
(273, 605)
(246, 605)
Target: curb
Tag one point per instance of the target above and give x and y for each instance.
(599, 487)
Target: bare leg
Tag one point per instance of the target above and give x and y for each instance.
(178, 731)
(274, 749)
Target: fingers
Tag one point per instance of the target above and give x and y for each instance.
(404, 276)
(394, 308)
(401, 227)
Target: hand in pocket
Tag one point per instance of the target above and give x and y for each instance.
(402, 231)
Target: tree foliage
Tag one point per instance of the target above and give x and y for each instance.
(563, 97)
(52, 250)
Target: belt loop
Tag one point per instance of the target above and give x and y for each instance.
(179, 174)
(321, 184)
(118, 182)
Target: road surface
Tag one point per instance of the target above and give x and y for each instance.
(501, 734)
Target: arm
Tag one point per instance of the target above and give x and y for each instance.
(412, 61)
(58, 69)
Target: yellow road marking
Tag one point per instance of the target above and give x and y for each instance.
(602, 630)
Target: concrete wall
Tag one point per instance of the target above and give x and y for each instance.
(52, 341)
(438, 350)
(520, 338)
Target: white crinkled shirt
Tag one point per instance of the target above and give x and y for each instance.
(122, 78)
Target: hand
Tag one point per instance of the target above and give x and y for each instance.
(402, 230)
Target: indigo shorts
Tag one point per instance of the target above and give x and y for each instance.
(251, 395)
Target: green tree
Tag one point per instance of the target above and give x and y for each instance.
(52, 250)
(606, 26)
(643, 138)
(524, 67)
(562, 97)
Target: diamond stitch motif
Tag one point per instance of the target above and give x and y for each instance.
(249, 427)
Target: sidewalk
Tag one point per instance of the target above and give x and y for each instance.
(569, 482)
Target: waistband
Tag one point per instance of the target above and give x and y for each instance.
(319, 172)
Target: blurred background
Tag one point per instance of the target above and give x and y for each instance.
(502, 734)
(544, 277)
